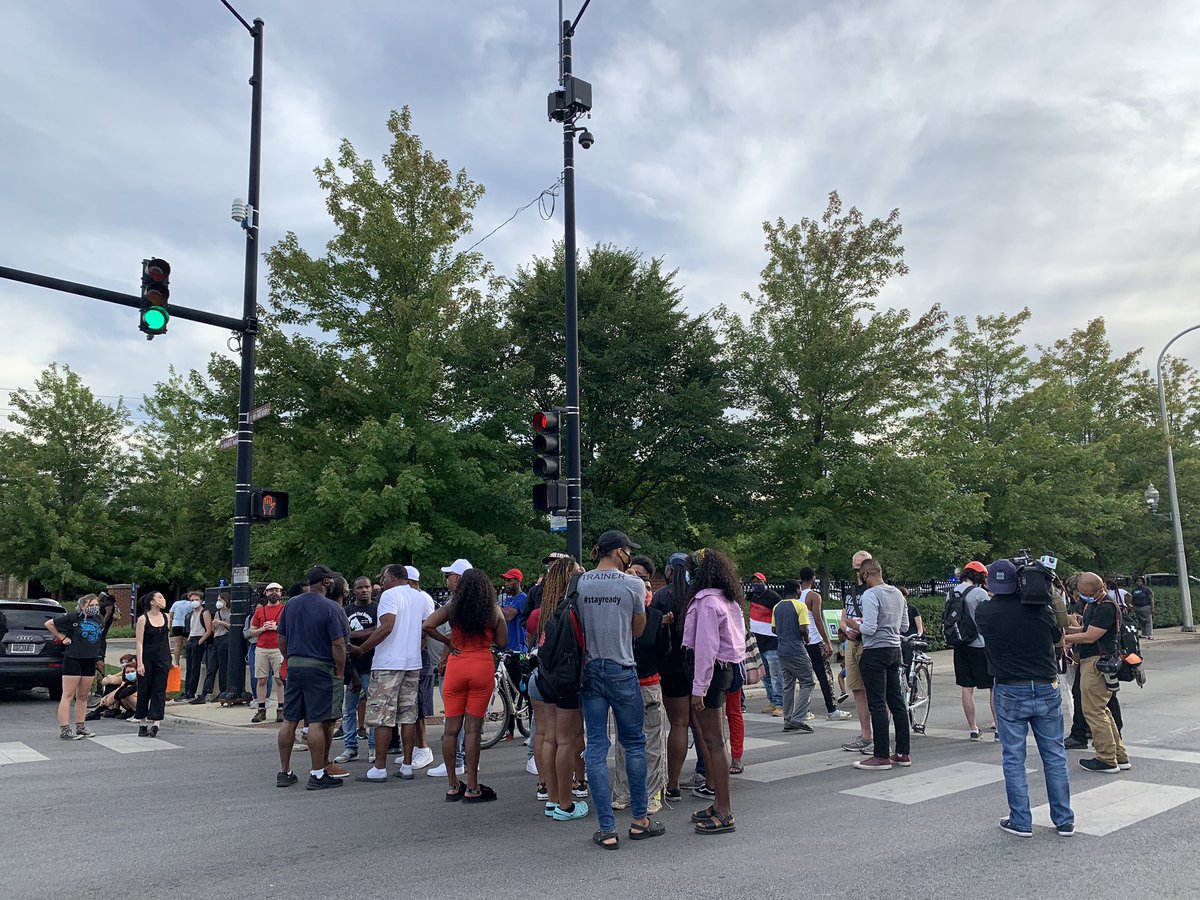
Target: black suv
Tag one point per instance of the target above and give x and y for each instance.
(29, 657)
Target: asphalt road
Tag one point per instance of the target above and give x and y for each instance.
(203, 818)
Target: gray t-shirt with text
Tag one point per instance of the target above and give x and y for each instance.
(608, 601)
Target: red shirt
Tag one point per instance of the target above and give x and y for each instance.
(268, 640)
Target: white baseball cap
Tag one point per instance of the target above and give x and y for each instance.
(412, 573)
(273, 584)
(458, 567)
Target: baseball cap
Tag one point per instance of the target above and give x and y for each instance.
(317, 574)
(975, 566)
(273, 584)
(759, 576)
(677, 559)
(514, 573)
(1002, 577)
(615, 540)
(555, 554)
(458, 567)
(412, 573)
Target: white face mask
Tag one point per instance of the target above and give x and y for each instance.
(195, 604)
(220, 604)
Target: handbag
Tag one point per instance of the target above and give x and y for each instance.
(753, 666)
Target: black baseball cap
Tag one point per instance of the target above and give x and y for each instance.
(615, 540)
(317, 574)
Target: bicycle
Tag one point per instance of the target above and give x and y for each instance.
(918, 684)
(509, 704)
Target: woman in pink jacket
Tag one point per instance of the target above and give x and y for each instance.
(716, 632)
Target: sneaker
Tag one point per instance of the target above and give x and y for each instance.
(1094, 765)
(1073, 744)
(975, 736)
(858, 744)
(531, 766)
(198, 701)
(541, 792)
(440, 771)
(653, 806)
(673, 796)
(143, 731)
(64, 734)
(260, 716)
(362, 734)
(336, 771)
(697, 779)
(802, 727)
(901, 759)
(808, 717)
(620, 804)
(1125, 766)
(404, 772)
(1067, 830)
(324, 782)
(579, 790)
(339, 735)
(285, 779)
(422, 757)
(345, 756)
(1006, 825)
(279, 714)
(704, 792)
(838, 715)
(842, 698)
(874, 763)
(82, 731)
(777, 712)
(153, 731)
(768, 710)
(579, 811)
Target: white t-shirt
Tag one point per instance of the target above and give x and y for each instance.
(814, 636)
(401, 650)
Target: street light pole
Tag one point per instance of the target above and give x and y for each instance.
(574, 459)
(1185, 588)
(240, 581)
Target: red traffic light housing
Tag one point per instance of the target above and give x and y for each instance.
(547, 461)
(267, 505)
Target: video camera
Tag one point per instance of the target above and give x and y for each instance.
(1035, 577)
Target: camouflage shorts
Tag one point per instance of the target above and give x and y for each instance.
(392, 697)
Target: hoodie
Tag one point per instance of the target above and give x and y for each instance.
(715, 631)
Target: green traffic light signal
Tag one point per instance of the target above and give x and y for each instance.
(154, 320)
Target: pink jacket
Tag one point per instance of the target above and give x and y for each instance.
(715, 630)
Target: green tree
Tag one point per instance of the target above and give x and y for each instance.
(59, 474)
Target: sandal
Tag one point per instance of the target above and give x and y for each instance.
(718, 824)
(485, 795)
(704, 816)
(736, 768)
(457, 793)
(602, 838)
(644, 832)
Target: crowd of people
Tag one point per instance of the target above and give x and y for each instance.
(605, 654)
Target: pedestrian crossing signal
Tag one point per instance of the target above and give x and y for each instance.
(267, 505)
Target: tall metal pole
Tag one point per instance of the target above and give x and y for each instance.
(1185, 587)
(240, 580)
(574, 466)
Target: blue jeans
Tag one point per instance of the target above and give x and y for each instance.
(773, 681)
(350, 715)
(1020, 707)
(609, 685)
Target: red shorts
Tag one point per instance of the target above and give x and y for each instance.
(468, 684)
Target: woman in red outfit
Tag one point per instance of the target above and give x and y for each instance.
(476, 624)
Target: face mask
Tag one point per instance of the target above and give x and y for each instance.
(1087, 599)
(195, 604)
(758, 588)
(91, 611)
(220, 604)
(131, 676)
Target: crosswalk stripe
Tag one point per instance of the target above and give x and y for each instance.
(1183, 756)
(791, 766)
(753, 743)
(128, 743)
(928, 785)
(1112, 807)
(16, 752)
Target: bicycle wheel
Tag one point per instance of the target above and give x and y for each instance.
(919, 699)
(495, 720)
(522, 713)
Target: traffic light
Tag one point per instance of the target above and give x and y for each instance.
(267, 505)
(156, 275)
(547, 462)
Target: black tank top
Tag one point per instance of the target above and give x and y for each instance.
(156, 643)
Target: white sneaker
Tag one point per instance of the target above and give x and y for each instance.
(531, 767)
(422, 757)
(440, 771)
(838, 715)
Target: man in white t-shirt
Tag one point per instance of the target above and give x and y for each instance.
(396, 670)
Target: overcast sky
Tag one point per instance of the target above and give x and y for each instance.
(1040, 154)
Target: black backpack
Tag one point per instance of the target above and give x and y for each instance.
(958, 627)
(563, 648)
(1035, 584)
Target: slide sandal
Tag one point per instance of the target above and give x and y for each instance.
(601, 838)
(485, 795)
(457, 793)
(705, 815)
(644, 832)
(716, 825)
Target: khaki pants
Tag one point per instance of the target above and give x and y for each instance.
(1095, 696)
(656, 749)
(854, 679)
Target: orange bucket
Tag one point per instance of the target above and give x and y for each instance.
(174, 679)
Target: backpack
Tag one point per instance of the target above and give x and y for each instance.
(563, 649)
(1035, 584)
(958, 627)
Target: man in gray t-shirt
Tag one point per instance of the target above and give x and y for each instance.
(608, 601)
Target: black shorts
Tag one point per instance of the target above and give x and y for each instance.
(314, 692)
(72, 667)
(721, 684)
(425, 689)
(178, 630)
(538, 689)
(971, 668)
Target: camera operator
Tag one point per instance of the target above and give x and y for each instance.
(1019, 640)
(1094, 637)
